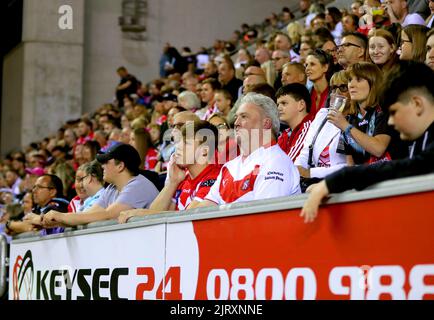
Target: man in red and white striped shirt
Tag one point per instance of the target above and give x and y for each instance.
(293, 104)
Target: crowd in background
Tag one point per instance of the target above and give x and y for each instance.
(301, 61)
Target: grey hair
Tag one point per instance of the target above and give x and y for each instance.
(191, 99)
(267, 105)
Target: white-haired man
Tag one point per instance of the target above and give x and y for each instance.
(262, 170)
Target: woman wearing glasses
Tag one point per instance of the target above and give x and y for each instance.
(413, 40)
(382, 49)
(318, 70)
(366, 137)
(318, 157)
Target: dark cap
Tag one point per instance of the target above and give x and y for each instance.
(169, 97)
(122, 152)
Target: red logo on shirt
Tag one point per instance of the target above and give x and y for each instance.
(231, 190)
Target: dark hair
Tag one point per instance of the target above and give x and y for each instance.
(121, 69)
(196, 127)
(323, 34)
(296, 91)
(325, 59)
(335, 13)
(405, 76)
(353, 17)
(417, 35)
(360, 36)
(94, 169)
(87, 122)
(214, 83)
(264, 89)
(55, 183)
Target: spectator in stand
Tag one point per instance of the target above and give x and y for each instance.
(69, 138)
(413, 43)
(227, 146)
(334, 23)
(85, 132)
(409, 96)
(141, 141)
(263, 57)
(420, 7)
(293, 72)
(295, 30)
(127, 190)
(47, 195)
(262, 170)
(91, 183)
(211, 71)
(127, 86)
(430, 50)
(350, 23)
(209, 87)
(19, 164)
(192, 172)
(90, 149)
(318, 70)
(279, 57)
(304, 7)
(77, 202)
(177, 63)
(293, 104)
(318, 22)
(172, 112)
(65, 172)
(398, 13)
(101, 138)
(429, 22)
(306, 47)
(251, 81)
(352, 49)
(318, 156)
(357, 8)
(227, 77)
(168, 146)
(374, 17)
(382, 49)
(283, 42)
(223, 102)
(13, 181)
(189, 101)
(285, 18)
(365, 134)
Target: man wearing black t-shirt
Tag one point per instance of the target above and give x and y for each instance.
(127, 86)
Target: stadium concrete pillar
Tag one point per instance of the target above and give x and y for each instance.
(43, 76)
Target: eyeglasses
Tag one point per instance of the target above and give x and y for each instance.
(277, 58)
(178, 125)
(348, 44)
(222, 126)
(80, 179)
(342, 88)
(37, 186)
(403, 41)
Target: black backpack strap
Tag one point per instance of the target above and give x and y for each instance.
(310, 159)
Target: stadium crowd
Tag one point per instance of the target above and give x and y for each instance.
(310, 101)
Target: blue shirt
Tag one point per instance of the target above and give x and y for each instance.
(88, 203)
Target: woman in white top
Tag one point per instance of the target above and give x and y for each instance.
(325, 159)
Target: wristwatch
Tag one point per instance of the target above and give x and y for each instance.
(348, 129)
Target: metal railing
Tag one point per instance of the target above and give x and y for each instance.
(386, 189)
(4, 259)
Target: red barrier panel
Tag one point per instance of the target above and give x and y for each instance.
(374, 249)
